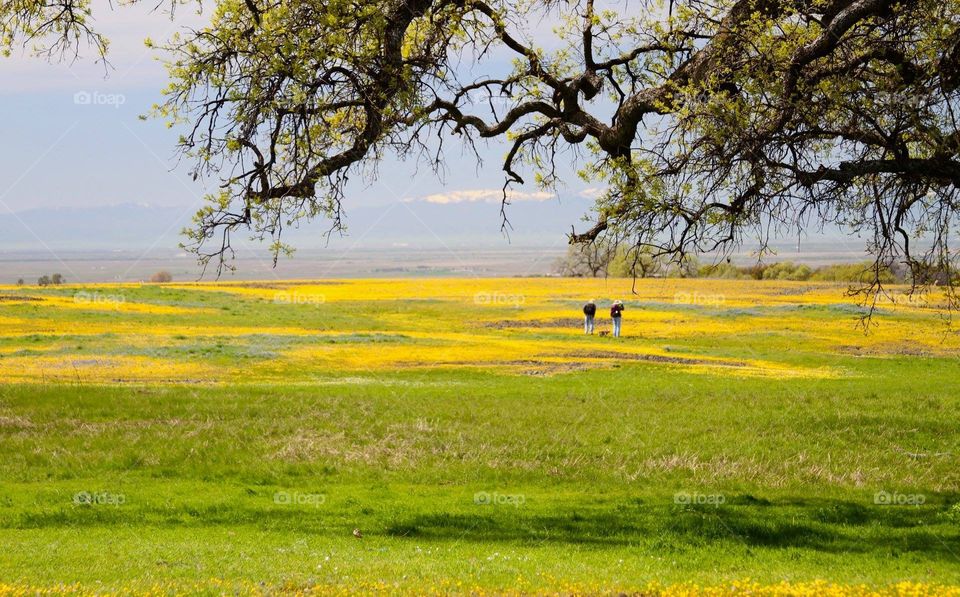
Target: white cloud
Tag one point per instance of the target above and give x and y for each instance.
(592, 193)
(484, 196)
(132, 64)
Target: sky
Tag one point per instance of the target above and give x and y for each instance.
(74, 138)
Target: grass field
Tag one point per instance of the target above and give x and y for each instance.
(232, 437)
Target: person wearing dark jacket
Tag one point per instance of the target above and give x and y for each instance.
(616, 313)
(589, 311)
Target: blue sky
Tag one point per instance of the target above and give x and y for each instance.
(58, 153)
(59, 156)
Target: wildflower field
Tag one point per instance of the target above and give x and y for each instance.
(463, 436)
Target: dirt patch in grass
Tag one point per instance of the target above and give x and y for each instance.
(889, 349)
(533, 367)
(20, 298)
(545, 369)
(579, 361)
(653, 358)
(534, 323)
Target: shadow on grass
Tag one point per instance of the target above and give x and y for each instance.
(824, 525)
(819, 525)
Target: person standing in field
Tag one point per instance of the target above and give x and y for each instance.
(616, 313)
(589, 311)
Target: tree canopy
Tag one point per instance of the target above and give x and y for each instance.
(708, 123)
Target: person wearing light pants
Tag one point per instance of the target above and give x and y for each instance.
(589, 311)
(616, 314)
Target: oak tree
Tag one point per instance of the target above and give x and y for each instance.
(709, 123)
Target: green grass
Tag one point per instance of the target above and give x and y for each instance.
(586, 471)
(588, 464)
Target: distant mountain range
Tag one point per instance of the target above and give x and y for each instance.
(413, 224)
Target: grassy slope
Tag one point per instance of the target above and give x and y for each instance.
(595, 457)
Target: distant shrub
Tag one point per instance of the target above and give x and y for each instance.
(754, 271)
(786, 270)
(603, 259)
(161, 277)
(689, 268)
(20, 282)
(53, 280)
(631, 262)
(858, 273)
(725, 270)
(937, 274)
(586, 261)
(634, 263)
(852, 272)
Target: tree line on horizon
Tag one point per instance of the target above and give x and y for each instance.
(600, 259)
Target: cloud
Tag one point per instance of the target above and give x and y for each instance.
(484, 196)
(592, 193)
(132, 64)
